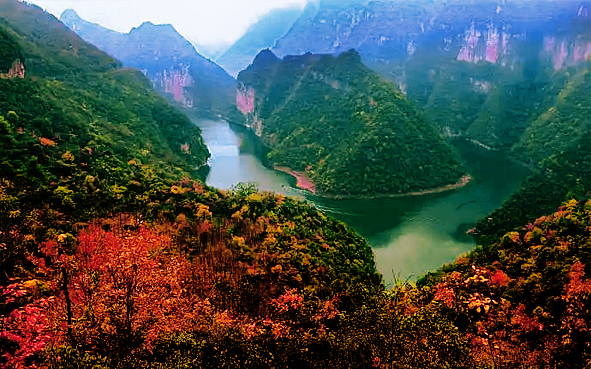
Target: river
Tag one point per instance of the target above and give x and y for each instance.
(409, 235)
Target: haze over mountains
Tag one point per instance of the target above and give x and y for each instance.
(493, 73)
(261, 35)
(168, 59)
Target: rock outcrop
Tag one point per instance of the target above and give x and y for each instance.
(166, 58)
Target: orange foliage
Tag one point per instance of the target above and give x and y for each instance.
(46, 141)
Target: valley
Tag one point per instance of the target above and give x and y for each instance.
(383, 184)
(410, 235)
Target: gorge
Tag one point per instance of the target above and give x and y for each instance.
(410, 235)
(138, 231)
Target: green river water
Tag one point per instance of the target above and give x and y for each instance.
(409, 235)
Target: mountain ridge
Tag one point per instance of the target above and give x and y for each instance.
(342, 108)
(260, 35)
(168, 59)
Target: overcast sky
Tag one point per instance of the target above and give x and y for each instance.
(201, 21)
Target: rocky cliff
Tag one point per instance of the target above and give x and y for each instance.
(466, 63)
(496, 32)
(167, 58)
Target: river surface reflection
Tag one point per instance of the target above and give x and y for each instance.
(409, 235)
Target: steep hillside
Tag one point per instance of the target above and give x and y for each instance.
(75, 123)
(352, 132)
(97, 204)
(557, 144)
(166, 58)
(524, 301)
(261, 35)
(473, 66)
(567, 121)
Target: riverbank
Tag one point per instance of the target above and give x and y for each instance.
(305, 183)
(460, 183)
(302, 180)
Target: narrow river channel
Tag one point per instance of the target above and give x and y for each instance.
(409, 235)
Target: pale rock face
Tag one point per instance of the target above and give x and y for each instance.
(492, 46)
(16, 71)
(498, 33)
(174, 82)
(245, 100)
(468, 51)
(471, 52)
(564, 52)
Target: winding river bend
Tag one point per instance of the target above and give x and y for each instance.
(409, 235)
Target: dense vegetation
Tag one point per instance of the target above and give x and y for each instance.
(351, 131)
(556, 144)
(92, 134)
(528, 292)
(96, 206)
(112, 257)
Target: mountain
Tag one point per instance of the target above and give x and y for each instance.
(76, 125)
(100, 199)
(472, 66)
(506, 75)
(167, 59)
(261, 35)
(114, 256)
(557, 146)
(351, 131)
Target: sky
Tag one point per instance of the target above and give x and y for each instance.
(205, 22)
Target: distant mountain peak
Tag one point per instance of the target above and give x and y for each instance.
(147, 25)
(70, 14)
(265, 55)
(168, 59)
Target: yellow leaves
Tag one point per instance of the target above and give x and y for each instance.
(177, 190)
(478, 277)
(513, 236)
(571, 204)
(269, 241)
(64, 194)
(255, 197)
(61, 238)
(203, 212)
(237, 216)
(68, 157)
(480, 303)
(29, 238)
(277, 269)
(239, 242)
(30, 284)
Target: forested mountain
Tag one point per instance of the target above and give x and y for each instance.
(350, 130)
(69, 92)
(473, 66)
(99, 179)
(167, 59)
(114, 255)
(261, 35)
(557, 145)
(506, 75)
